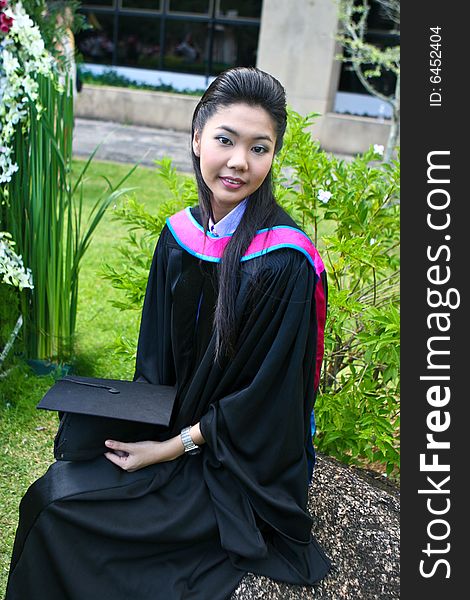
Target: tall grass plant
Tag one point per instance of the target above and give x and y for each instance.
(46, 217)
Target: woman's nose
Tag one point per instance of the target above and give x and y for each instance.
(238, 160)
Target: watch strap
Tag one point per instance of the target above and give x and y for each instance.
(189, 446)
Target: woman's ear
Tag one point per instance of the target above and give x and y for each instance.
(196, 143)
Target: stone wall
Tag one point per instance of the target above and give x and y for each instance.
(136, 107)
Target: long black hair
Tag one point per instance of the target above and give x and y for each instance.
(247, 85)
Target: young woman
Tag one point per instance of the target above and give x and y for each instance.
(233, 316)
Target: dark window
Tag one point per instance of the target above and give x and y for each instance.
(189, 6)
(96, 44)
(239, 8)
(194, 36)
(106, 3)
(381, 31)
(139, 42)
(234, 46)
(186, 46)
(154, 5)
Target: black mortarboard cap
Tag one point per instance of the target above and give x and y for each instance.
(94, 410)
(117, 399)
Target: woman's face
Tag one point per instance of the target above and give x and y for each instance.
(236, 151)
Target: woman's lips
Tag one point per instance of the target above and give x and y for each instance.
(232, 183)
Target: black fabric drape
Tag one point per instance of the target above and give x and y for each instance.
(191, 528)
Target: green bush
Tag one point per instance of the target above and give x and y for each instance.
(356, 228)
(351, 211)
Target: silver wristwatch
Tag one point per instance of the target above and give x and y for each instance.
(189, 446)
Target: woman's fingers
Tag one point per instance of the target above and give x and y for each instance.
(117, 447)
(118, 455)
(121, 453)
(130, 456)
(117, 459)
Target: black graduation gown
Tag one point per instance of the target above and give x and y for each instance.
(189, 529)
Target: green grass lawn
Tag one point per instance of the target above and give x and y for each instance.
(26, 434)
(98, 322)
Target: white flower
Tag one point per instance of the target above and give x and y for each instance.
(324, 196)
(372, 241)
(379, 149)
(22, 57)
(37, 47)
(10, 62)
(12, 270)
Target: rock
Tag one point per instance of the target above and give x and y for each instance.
(356, 521)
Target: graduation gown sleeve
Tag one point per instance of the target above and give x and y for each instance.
(154, 361)
(256, 458)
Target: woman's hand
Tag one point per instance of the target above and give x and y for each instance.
(137, 455)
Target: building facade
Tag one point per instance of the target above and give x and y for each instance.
(188, 42)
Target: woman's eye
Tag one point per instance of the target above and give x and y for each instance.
(223, 140)
(259, 149)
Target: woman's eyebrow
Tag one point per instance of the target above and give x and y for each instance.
(234, 132)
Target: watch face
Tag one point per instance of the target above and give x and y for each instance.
(195, 451)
